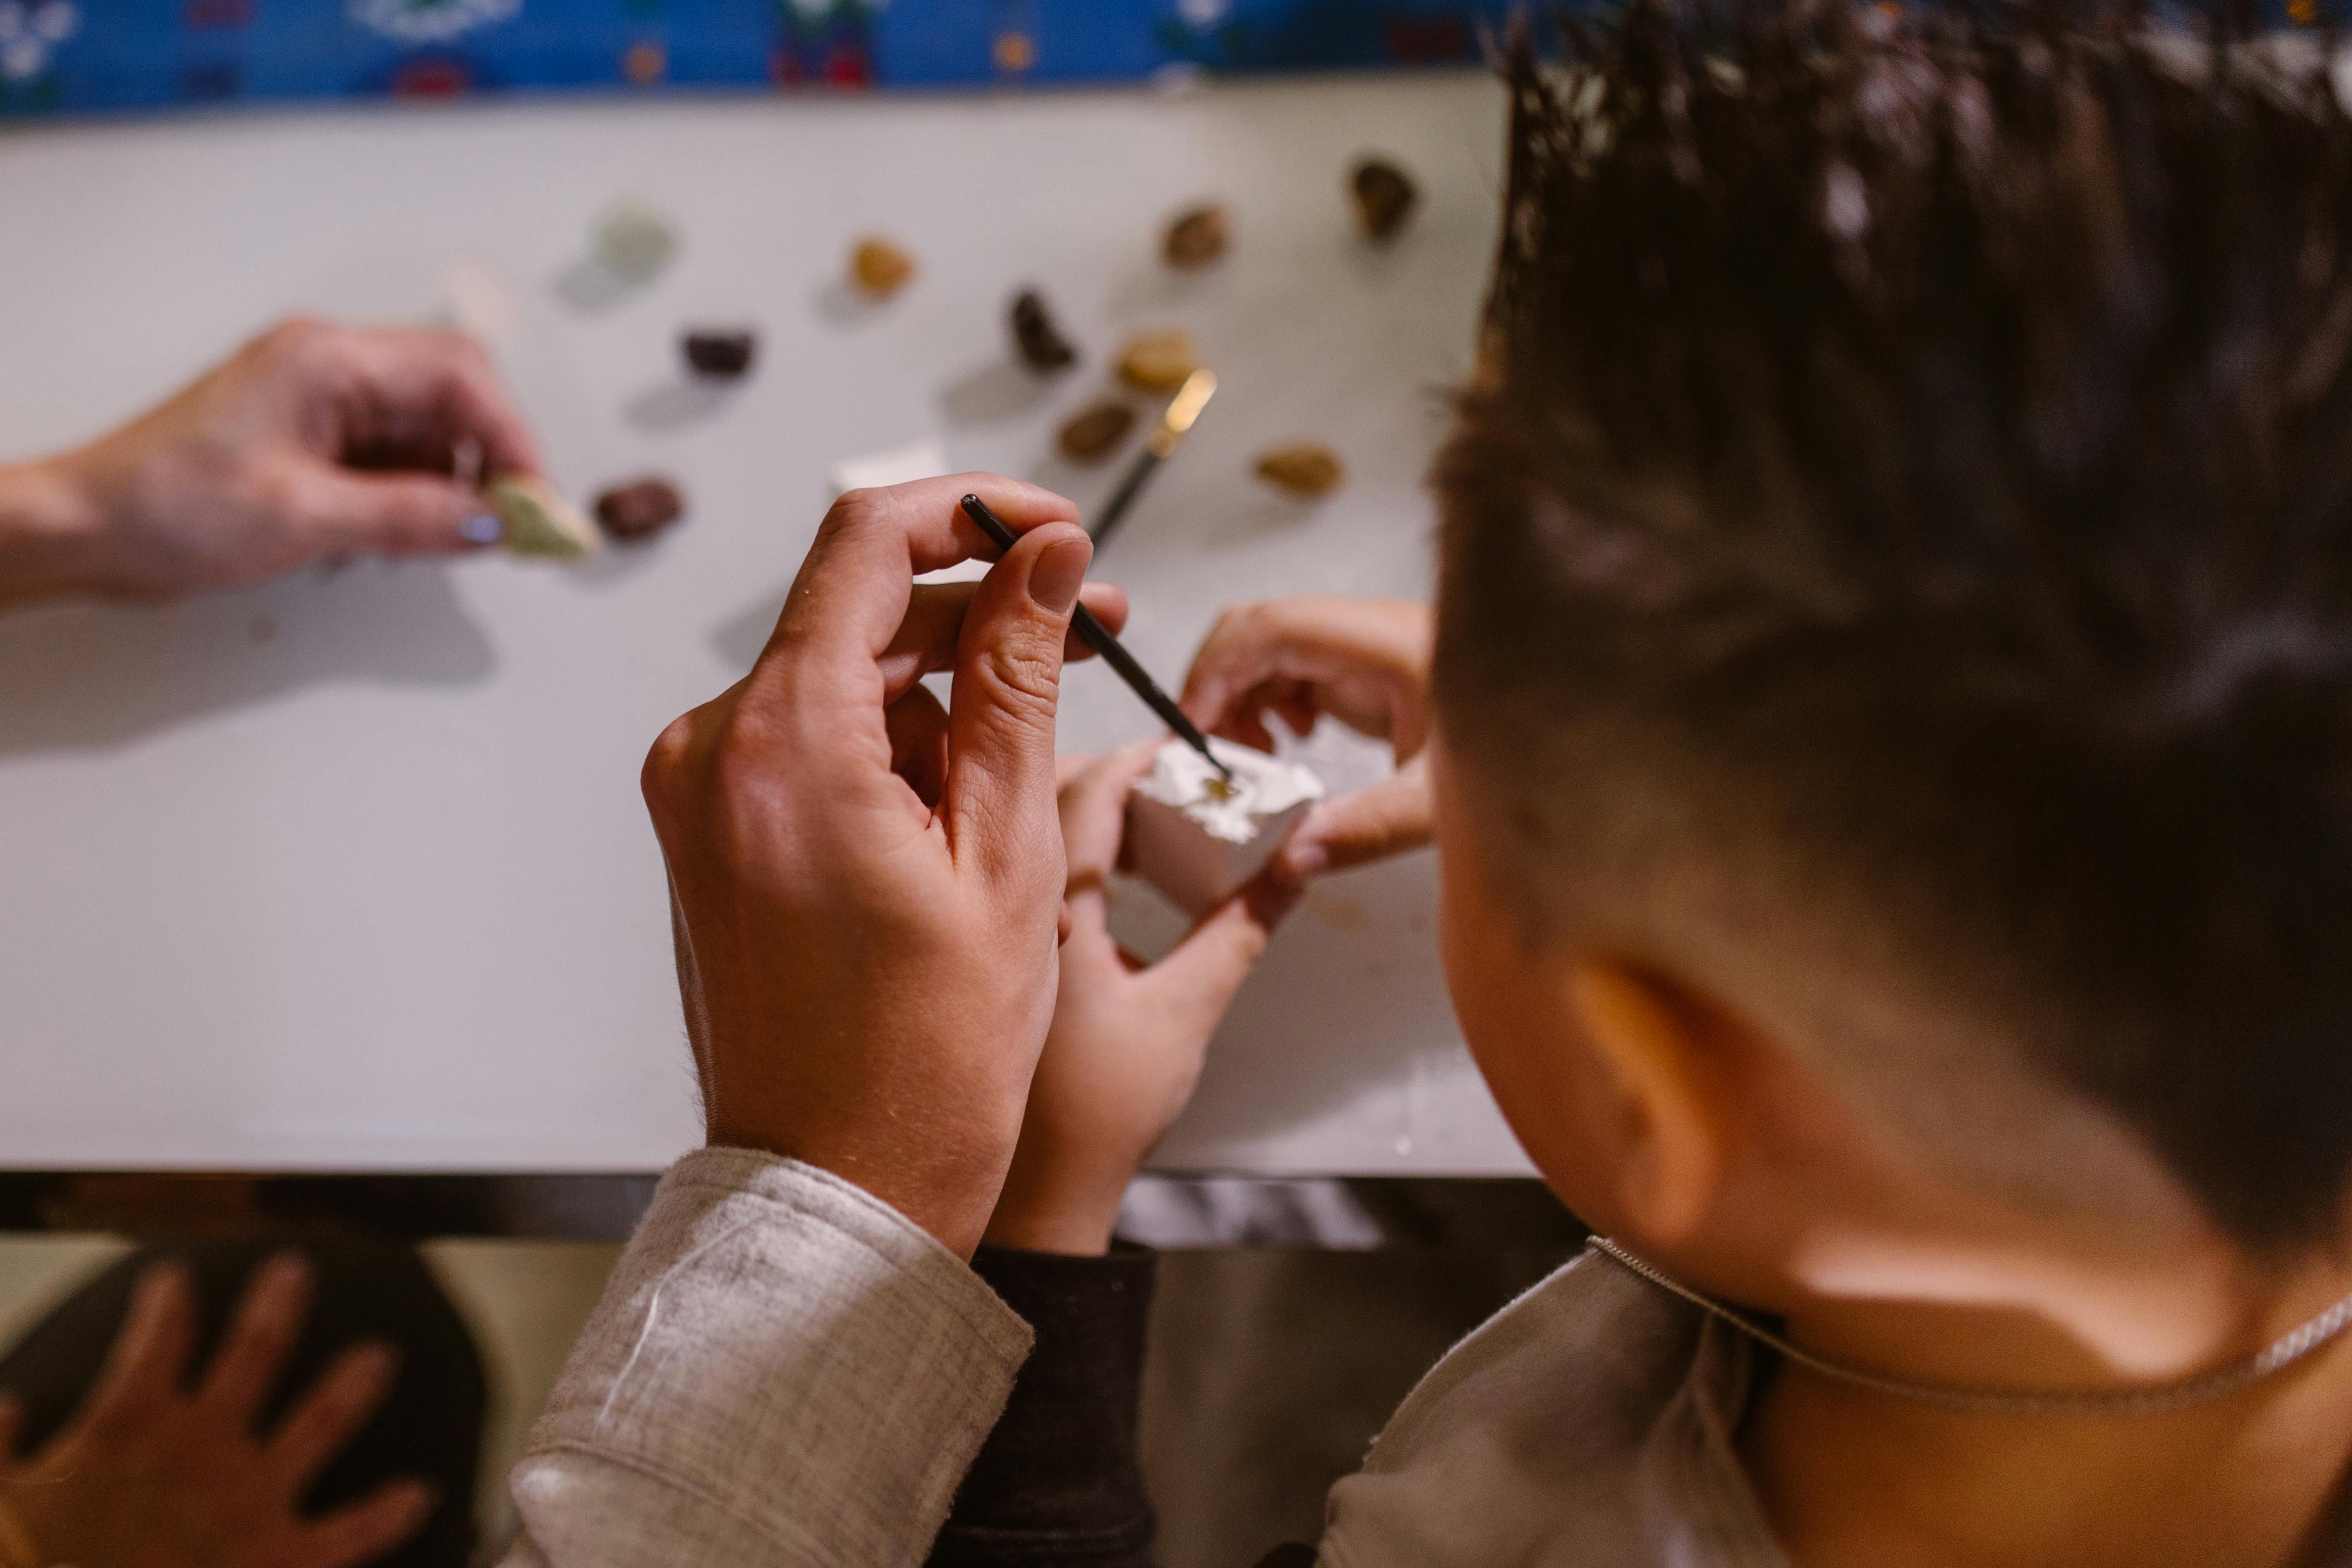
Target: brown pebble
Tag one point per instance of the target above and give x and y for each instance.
(1159, 361)
(880, 269)
(1041, 342)
(1197, 237)
(721, 355)
(1385, 196)
(1096, 430)
(1307, 469)
(640, 509)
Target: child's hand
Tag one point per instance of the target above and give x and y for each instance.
(1365, 662)
(154, 1473)
(1126, 1044)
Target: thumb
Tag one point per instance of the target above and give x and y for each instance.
(354, 513)
(1387, 818)
(999, 809)
(1094, 812)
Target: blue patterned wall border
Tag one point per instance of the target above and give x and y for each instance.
(106, 56)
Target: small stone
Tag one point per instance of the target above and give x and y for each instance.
(1013, 52)
(640, 509)
(539, 521)
(1197, 237)
(1095, 432)
(644, 63)
(1041, 342)
(635, 240)
(880, 269)
(1308, 469)
(1385, 196)
(1159, 361)
(720, 355)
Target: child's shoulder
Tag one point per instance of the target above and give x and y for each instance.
(1586, 1421)
(1591, 1340)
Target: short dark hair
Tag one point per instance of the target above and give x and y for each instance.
(1925, 449)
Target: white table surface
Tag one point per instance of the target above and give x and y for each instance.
(350, 873)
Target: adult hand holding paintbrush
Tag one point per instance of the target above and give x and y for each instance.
(866, 887)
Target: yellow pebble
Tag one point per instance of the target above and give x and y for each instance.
(1159, 361)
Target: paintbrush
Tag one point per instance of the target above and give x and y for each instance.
(1183, 409)
(1099, 639)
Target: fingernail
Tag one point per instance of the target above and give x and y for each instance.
(482, 528)
(423, 1497)
(283, 1277)
(375, 1364)
(1060, 572)
(156, 1285)
(1301, 863)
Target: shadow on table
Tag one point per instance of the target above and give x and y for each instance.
(676, 403)
(997, 391)
(84, 676)
(1349, 994)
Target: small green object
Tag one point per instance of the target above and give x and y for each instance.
(539, 521)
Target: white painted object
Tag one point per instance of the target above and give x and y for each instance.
(1197, 837)
(924, 459)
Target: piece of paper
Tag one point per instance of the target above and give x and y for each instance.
(924, 459)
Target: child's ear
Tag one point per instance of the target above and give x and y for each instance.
(1655, 1041)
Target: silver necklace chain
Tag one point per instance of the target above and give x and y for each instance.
(2285, 1351)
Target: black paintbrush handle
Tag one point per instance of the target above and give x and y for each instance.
(1097, 637)
(1114, 511)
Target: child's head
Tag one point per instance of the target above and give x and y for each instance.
(1895, 665)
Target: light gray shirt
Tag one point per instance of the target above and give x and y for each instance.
(785, 1370)
(1589, 1422)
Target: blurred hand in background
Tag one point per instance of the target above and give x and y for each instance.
(867, 884)
(313, 441)
(158, 1471)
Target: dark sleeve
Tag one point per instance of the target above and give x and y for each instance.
(1057, 1481)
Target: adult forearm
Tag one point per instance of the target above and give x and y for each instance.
(51, 531)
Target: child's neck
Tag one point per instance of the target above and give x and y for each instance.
(1850, 1476)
